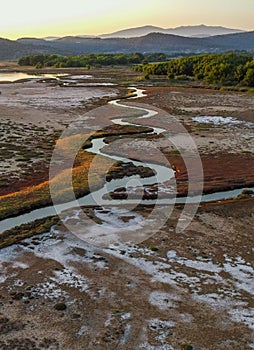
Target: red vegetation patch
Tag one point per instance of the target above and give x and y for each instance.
(221, 172)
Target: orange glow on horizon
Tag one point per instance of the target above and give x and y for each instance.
(91, 17)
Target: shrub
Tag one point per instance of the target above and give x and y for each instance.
(154, 249)
(60, 307)
(187, 347)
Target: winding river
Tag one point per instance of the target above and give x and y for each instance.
(96, 198)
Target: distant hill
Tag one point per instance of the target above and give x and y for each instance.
(134, 32)
(154, 42)
(188, 31)
(240, 41)
(165, 42)
(15, 49)
(203, 31)
(32, 41)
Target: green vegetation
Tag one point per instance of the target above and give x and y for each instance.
(17, 234)
(225, 69)
(96, 60)
(118, 131)
(36, 196)
(246, 194)
(60, 307)
(187, 347)
(154, 249)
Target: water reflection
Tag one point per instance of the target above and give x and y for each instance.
(15, 76)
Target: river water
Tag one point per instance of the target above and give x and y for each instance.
(96, 198)
(15, 76)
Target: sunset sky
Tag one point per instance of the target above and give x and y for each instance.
(74, 17)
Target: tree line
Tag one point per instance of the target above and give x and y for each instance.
(96, 60)
(226, 69)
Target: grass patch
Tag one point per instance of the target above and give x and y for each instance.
(17, 234)
(174, 152)
(117, 131)
(39, 196)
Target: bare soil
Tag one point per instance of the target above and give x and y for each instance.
(176, 290)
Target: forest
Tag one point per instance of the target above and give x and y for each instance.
(95, 60)
(226, 69)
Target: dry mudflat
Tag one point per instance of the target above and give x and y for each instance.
(33, 115)
(194, 287)
(175, 290)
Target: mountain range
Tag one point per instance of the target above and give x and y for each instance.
(188, 31)
(151, 42)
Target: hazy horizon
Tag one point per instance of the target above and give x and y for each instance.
(121, 29)
(62, 18)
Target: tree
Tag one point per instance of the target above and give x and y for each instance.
(240, 72)
(249, 77)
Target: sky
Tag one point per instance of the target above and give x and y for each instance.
(31, 18)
